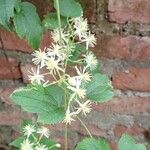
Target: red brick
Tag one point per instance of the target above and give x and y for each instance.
(9, 69)
(129, 47)
(135, 130)
(125, 105)
(121, 11)
(5, 95)
(12, 42)
(89, 10)
(13, 118)
(137, 79)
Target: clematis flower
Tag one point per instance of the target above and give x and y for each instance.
(85, 107)
(28, 130)
(27, 145)
(39, 57)
(83, 75)
(43, 131)
(53, 65)
(55, 36)
(91, 60)
(89, 39)
(35, 76)
(78, 91)
(80, 26)
(69, 117)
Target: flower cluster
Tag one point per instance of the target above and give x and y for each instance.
(33, 137)
(56, 58)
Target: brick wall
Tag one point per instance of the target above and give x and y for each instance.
(122, 28)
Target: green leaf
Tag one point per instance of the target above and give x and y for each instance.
(17, 143)
(50, 21)
(99, 89)
(42, 100)
(49, 143)
(93, 144)
(79, 49)
(6, 12)
(69, 8)
(128, 143)
(28, 24)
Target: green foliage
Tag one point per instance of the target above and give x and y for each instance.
(99, 89)
(17, 142)
(7, 12)
(25, 18)
(79, 49)
(128, 143)
(50, 21)
(42, 100)
(93, 144)
(27, 24)
(69, 8)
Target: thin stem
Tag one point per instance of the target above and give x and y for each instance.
(66, 127)
(59, 21)
(85, 127)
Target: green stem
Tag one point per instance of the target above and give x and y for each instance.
(59, 21)
(85, 127)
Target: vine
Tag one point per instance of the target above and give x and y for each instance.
(65, 97)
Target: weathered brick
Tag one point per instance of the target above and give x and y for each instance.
(121, 11)
(89, 10)
(12, 42)
(125, 105)
(5, 95)
(9, 69)
(13, 118)
(135, 130)
(137, 79)
(129, 47)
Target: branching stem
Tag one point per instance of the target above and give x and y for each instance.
(85, 127)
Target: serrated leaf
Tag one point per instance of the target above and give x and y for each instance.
(6, 12)
(69, 8)
(42, 100)
(99, 89)
(17, 143)
(93, 144)
(28, 25)
(51, 22)
(126, 142)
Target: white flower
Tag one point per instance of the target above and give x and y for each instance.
(44, 132)
(89, 39)
(55, 35)
(78, 91)
(80, 26)
(26, 145)
(91, 60)
(41, 147)
(53, 65)
(40, 57)
(28, 130)
(69, 117)
(85, 107)
(55, 52)
(74, 81)
(35, 76)
(83, 75)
